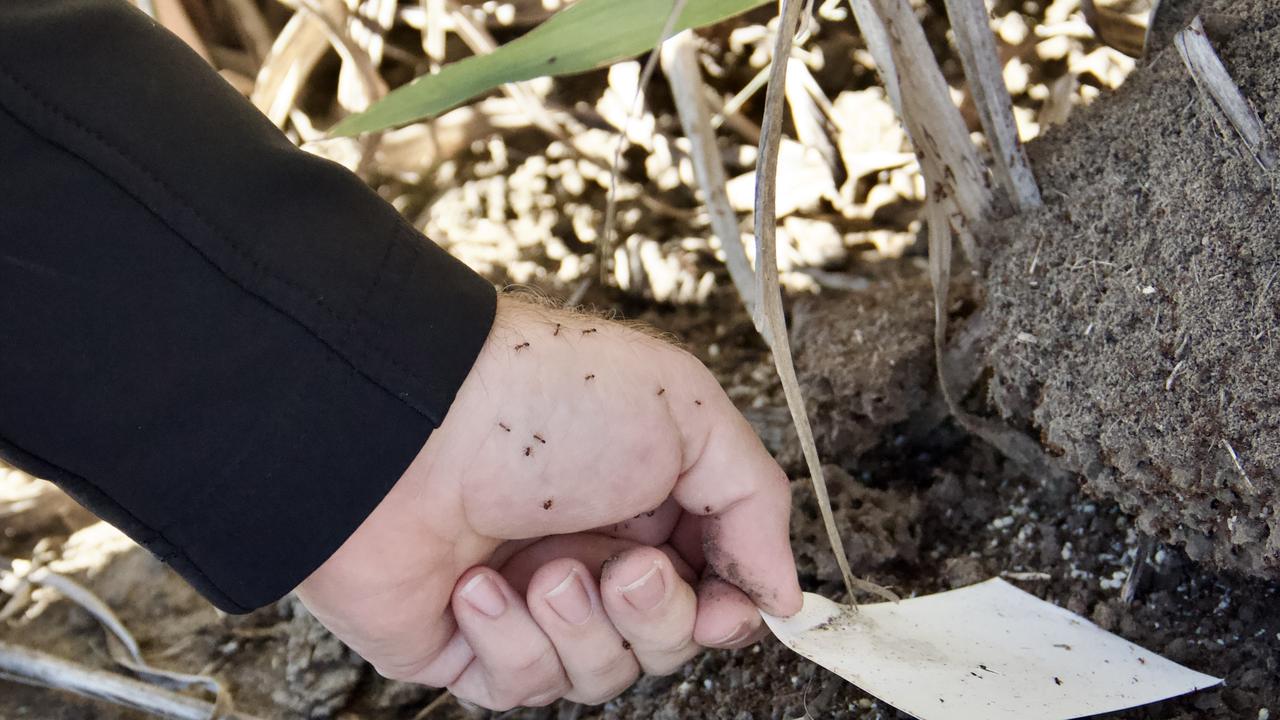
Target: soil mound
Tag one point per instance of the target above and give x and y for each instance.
(1137, 316)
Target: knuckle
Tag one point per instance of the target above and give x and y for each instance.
(538, 663)
(609, 670)
(669, 662)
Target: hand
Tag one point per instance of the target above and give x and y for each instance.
(565, 424)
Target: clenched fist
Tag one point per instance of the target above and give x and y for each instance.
(592, 507)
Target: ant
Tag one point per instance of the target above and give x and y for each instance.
(590, 377)
(522, 346)
(588, 332)
(504, 426)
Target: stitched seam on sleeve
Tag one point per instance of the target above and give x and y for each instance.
(243, 254)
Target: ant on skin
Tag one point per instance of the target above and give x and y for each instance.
(522, 346)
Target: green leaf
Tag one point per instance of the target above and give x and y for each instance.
(583, 36)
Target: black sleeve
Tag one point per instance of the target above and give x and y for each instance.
(224, 346)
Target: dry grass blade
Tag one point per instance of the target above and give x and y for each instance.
(1018, 447)
(435, 17)
(679, 57)
(933, 121)
(297, 49)
(978, 54)
(877, 39)
(605, 249)
(253, 28)
(364, 32)
(769, 312)
(1115, 29)
(1227, 101)
(36, 668)
(811, 123)
(121, 644)
(372, 87)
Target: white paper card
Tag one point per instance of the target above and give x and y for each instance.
(985, 652)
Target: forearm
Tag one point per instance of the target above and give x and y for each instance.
(225, 346)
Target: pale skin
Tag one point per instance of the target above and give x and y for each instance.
(593, 507)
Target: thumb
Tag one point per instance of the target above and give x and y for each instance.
(745, 499)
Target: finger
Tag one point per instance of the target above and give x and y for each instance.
(565, 602)
(686, 538)
(652, 607)
(591, 549)
(515, 663)
(647, 528)
(727, 618)
(745, 499)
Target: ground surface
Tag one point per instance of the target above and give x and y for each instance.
(923, 506)
(918, 516)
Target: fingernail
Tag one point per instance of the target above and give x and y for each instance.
(570, 600)
(484, 595)
(736, 636)
(647, 591)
